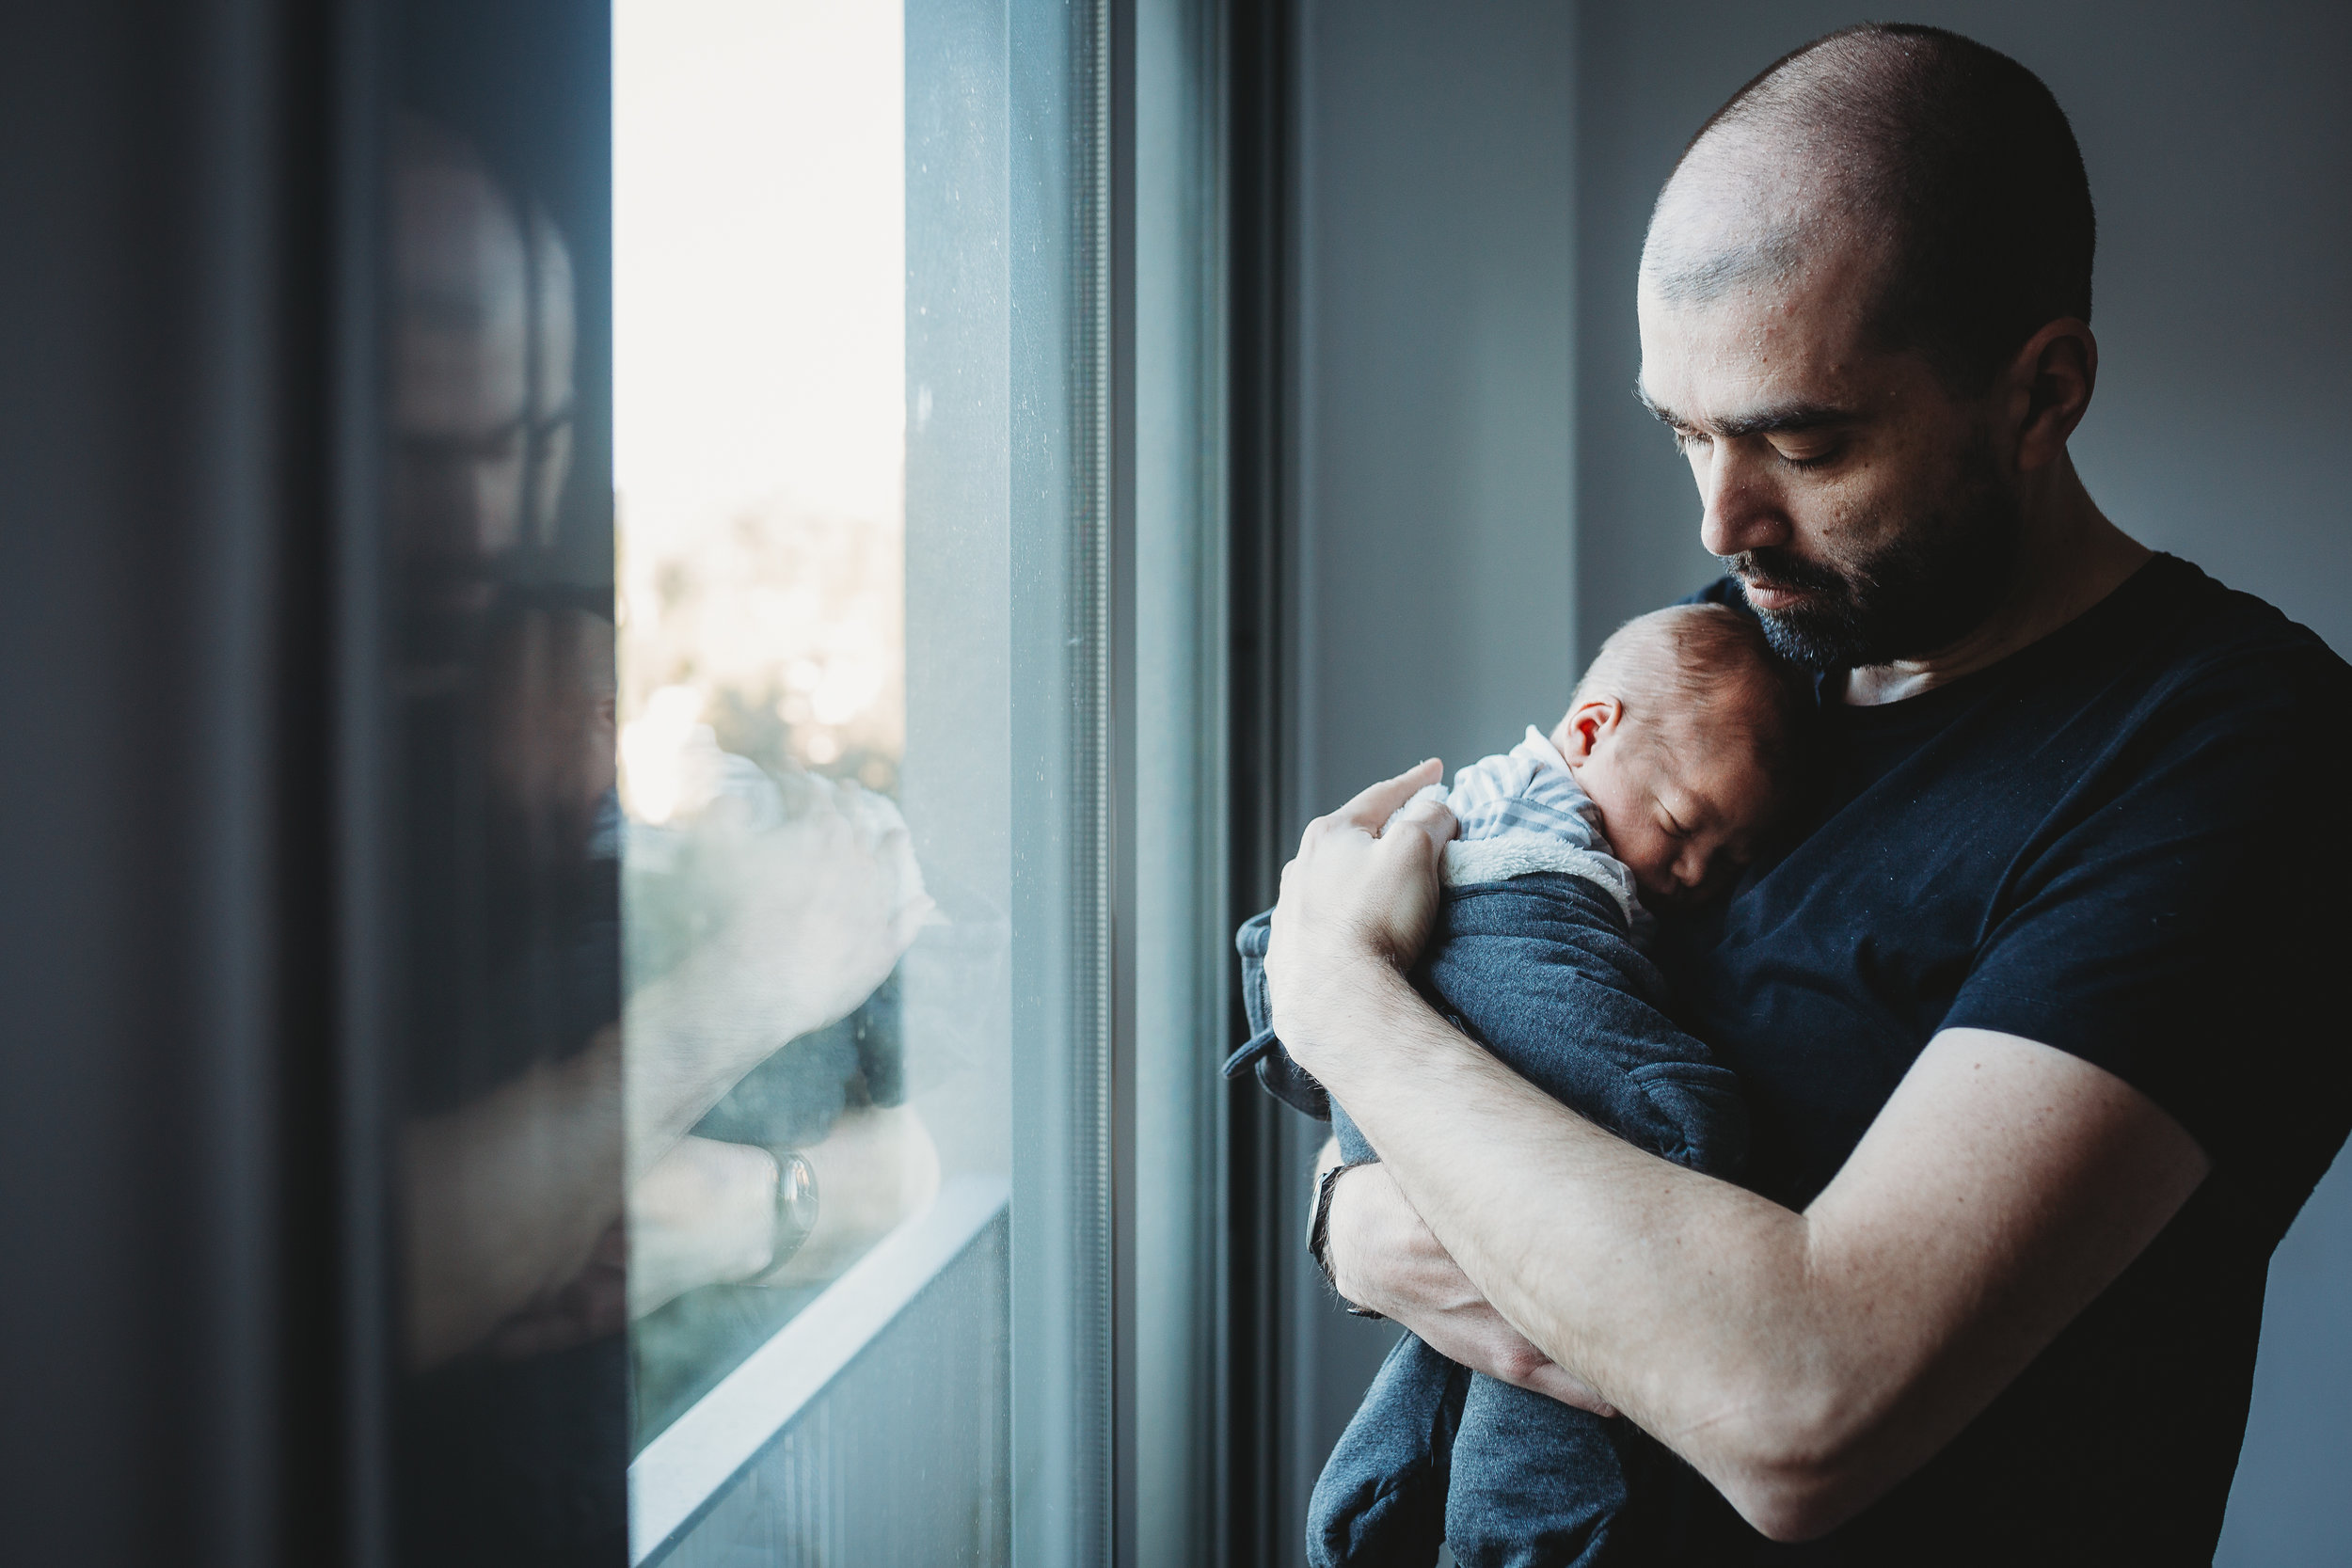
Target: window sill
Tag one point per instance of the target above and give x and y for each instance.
(684, 1470)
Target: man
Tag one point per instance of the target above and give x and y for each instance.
(526, 1122)
(2031, 1011)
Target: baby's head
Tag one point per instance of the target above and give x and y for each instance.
(1684, 732)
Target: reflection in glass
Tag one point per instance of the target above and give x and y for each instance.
(501, 736)
(759, 322)
(863, 737)
(750, 872)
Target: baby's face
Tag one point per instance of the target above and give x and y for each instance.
(1683, 815)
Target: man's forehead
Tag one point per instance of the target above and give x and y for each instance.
(1754, 282)
(1720, 225)
(1758, 359)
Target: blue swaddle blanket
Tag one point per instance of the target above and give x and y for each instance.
(1537, 954)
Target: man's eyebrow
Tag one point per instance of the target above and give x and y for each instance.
(1780, 417)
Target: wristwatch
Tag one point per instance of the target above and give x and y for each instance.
(796, 1211)
(1319, 1236)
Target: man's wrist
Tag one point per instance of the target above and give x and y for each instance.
(1319, 1235)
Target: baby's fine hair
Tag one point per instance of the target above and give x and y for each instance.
(1684, 660)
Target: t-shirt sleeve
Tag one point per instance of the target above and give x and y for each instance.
(2185, 917)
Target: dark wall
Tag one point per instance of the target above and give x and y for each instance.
(2219, 141)
(194, 791)
(163, 1022)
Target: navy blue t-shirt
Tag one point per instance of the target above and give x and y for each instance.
(2122, 841)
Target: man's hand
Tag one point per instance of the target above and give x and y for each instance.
(813, 913)
(1362, 892)
(820, 909)
(1383, 1257)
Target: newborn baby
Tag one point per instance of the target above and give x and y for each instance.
(1674, 755)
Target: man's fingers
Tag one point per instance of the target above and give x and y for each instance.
(908, 919)
(1427, 815)
(1376, 805)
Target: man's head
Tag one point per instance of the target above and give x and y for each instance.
(481, 349)
(1684, 734)
(1865, 301)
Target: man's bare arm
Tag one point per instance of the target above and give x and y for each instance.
(1804, 1363)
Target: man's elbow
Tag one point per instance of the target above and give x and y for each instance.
(1798, 1477)
(1786, 1507)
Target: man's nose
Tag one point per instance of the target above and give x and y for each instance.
(1743, 504)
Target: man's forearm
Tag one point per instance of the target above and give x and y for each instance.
(1802, 1362)
(1645, 1279)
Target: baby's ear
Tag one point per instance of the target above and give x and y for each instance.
(1586, 722)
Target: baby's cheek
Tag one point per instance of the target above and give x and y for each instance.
(1652, 867)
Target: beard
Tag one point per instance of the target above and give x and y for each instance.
(1934, 579)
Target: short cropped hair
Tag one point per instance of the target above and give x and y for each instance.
(1963, 158)
(1703, 668)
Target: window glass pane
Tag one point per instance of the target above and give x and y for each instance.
(759, 311)
(861, 701)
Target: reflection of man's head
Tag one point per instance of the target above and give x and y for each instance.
(481, 368)
(553, 747)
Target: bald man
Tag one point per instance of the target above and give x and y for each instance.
(2032, 1012)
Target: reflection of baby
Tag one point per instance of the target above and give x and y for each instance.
(1676, 751)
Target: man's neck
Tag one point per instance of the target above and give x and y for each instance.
(2072, 558)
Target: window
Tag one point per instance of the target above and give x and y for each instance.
(867, 542)
(810, 859)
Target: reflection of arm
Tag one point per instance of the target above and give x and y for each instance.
(694, 1033)
(706, 1214)
(829, 903)
(875, 1169)
(507, 1196)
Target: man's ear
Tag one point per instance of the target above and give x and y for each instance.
(2049, 385)
(1583, 730)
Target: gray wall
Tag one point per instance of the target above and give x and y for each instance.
(1482, 499)
(2219, 145)
(1436, 430)
(1437, 344)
